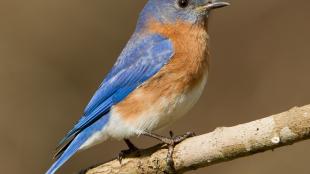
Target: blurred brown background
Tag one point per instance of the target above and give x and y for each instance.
(54, 53)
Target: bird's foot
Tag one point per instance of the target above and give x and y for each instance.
(174, 140)
(132, 149)
(124, 153)
(171, 142)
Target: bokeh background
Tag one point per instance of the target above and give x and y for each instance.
(54, 53)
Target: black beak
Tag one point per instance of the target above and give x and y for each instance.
(216, 4)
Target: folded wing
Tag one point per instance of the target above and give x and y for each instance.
(140, 60)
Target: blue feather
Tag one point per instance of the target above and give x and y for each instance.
(142, 58)
(140, 52)
(77, 142)
(133, 67)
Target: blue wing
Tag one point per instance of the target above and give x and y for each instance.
(141, 59)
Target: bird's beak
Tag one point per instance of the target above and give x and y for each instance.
(213, 4)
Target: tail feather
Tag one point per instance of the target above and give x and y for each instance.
(75, 145)
(68, 153)
(60, 150)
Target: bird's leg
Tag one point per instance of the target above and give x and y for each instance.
(130, 145)
(171, 142)
(131, 149)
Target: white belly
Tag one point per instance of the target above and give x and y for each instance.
(163, 112)
(181, 104)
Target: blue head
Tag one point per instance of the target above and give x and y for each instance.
(170, 11)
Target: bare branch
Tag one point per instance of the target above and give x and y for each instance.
(221, 145)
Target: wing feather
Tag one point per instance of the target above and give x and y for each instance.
(141, 59)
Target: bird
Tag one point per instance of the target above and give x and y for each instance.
(157, 78)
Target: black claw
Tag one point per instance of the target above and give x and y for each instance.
(124, 153)
(120, 157)
(170, 167)
(169, 160)
(171, 134)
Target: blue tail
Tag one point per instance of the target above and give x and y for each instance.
(77, 142)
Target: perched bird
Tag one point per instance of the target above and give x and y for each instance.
(157, 78)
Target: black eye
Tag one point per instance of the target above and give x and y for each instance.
(183, 3)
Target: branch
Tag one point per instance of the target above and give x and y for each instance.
(223, 144)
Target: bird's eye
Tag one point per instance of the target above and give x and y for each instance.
(183, 3)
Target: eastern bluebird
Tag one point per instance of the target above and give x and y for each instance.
(157, 78)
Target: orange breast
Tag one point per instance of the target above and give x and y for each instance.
(181, 74)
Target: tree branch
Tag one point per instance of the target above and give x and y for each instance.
(223, 144)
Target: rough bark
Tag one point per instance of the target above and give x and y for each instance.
(223, 144)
